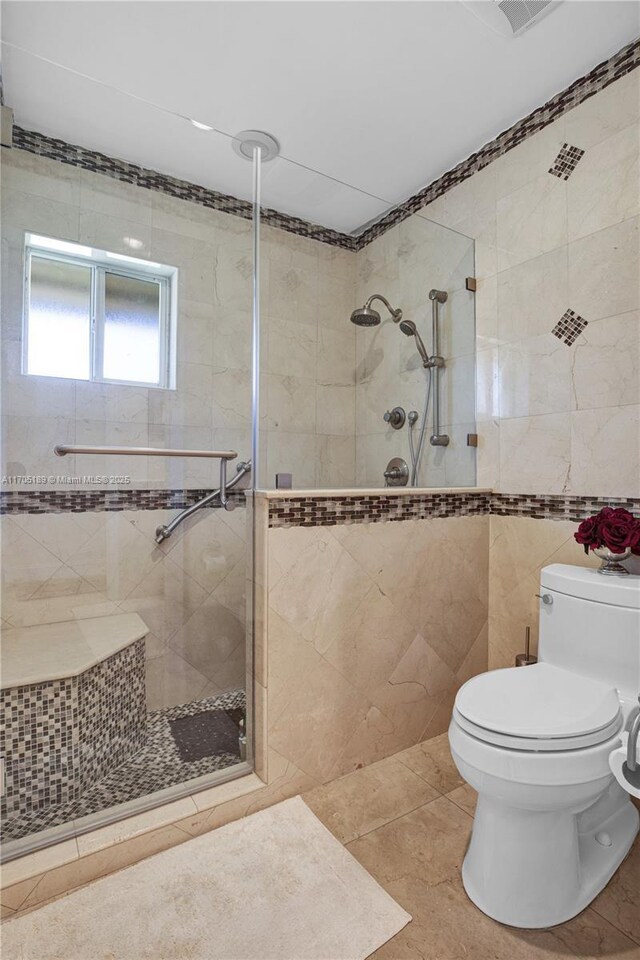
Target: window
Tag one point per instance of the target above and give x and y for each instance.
(94, 315)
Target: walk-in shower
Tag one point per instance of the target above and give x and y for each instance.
(121, 545)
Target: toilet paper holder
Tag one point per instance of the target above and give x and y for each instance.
(526, 659)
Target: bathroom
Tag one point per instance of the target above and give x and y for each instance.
(302, 410)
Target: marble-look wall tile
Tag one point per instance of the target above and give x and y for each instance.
(531, 221)
(365, 645)
(556, 245)
(519, 548)
(605, 451)
(535, 454)
(308, 346)
(603, 115)
(606, 363)
(603, 189)
(604, 280)
(190, 591)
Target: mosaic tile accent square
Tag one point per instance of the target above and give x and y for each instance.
(566, 161)
(569, 327)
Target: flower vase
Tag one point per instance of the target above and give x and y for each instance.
(611, 562)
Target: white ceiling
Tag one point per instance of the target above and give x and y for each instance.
(384, 96)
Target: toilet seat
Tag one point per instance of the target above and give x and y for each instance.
(537, 744)
(538, 708)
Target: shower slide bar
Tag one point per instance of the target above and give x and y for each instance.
(62, 450)
(437, 297)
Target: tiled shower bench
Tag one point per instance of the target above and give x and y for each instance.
(73, 707)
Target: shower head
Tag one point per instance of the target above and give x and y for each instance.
(409, 329)
(366, 316)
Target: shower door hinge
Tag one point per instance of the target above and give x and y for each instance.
(471, 284)
(472, 439)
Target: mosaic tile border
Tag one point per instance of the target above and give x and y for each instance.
(373, 508)
(329, 511)
(76, 156)
(104, 501)
(605, 73)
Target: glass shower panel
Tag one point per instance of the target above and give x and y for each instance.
(328, 381)
(162, 711)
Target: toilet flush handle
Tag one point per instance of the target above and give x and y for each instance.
(545, 597)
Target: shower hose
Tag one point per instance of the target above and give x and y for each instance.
(416, 456)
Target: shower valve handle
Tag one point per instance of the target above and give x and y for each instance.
(395, 418)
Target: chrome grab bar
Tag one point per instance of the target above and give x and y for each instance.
(61, 450)
(632, 742)
(165, 531)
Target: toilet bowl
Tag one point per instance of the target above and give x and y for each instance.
(552, 823)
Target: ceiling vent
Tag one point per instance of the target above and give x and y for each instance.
(510, 18)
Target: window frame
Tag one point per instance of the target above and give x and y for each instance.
(101, 262)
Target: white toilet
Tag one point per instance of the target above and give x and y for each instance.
(552, 824)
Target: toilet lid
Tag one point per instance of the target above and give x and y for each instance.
(537, 701)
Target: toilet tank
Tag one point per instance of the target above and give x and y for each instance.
(592, 625)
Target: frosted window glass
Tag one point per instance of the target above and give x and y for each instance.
(131, 329)
(59, 320)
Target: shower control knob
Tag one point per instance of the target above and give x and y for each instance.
(395, 418)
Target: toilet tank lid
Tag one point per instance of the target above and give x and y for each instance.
(587, 584)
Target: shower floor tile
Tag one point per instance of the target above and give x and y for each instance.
(183, 742)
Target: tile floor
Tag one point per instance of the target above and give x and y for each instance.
(407, 819)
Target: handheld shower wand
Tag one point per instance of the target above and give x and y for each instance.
(409, 329)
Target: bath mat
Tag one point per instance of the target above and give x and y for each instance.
(207, 733)
(274, 886)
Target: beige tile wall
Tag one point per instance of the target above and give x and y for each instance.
(519, 548)
(190, 591)
(308, 346)
(552, 418)
(371, 628)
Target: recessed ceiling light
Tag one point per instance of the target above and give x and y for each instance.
(200, 126)
(133, 243)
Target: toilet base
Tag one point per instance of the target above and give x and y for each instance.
(534, 869)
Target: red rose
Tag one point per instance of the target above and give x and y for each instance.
(587, 533)
(634, 539)
(614, 528)
(618, 530)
